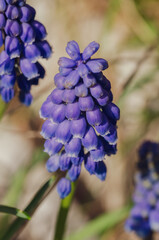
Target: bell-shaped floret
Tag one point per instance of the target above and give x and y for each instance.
(91, 49)
(73, 147)
(64, 162)
(52, 164)
(78, 127)
(86, 103)
(69, 95)
(58, 113)
(94, 117)
(97, 65)
(72, 111)
(48, 129)
(64, 187)
(52, 146)
(73, 50)
(100, 170)
(90, 140)
(74, 172)
(63, 133)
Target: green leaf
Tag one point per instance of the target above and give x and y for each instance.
(17, 183)
(103, 223)
(17, 226)
(14, 211)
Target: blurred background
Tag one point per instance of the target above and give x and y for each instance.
(127, 31)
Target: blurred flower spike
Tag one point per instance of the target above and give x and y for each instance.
(81, 118)
(144, 216)
(22, 41)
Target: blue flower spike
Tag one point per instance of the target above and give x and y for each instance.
(24, 44)
(80, 119)
(144, 216)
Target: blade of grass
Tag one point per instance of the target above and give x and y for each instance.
(101, 224)
(62, 215)
(14, 211)
(18, 225)
(17, 183)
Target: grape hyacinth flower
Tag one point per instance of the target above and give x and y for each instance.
(81, 119)
(22, 39)
(144, 216)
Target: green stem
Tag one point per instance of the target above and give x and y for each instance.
(62, 215)
(3, 107)
(18, 225)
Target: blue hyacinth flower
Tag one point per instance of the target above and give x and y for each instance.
(144, 216)
(81, 120)
(23, 41)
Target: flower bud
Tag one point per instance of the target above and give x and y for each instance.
(12, 12)
(58, 113)
(1, 38)
(32, 53)
(68, 95)
(56, 96)
(48, 129)
(66, 62)
(72, 111)
(13, 28)
(73, 147)
(90, 140)
(7, 94)
(73, 50)
(12, 47)
(90, 165)
(52, 164)
(46, 109)
(39, 29)
(97, 65)
(8, 80)
(82, 70)
(27, 13)
(64, 162)
(2, 21)
(94, 117)
(78, 127)
(52, 146)
(96, 91)
(25, 98)
(6, 64)
(63, 133)
(86, 103)
(74, 172)
(91, 49)
(89, 80)
(45, 49)
(100, 170)
(28, 69)
(3, 5)
(72, 79)
(81, 90)
(112, 111)
(103, 127)
(64, 187)
(28, 33)
(59, 81)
